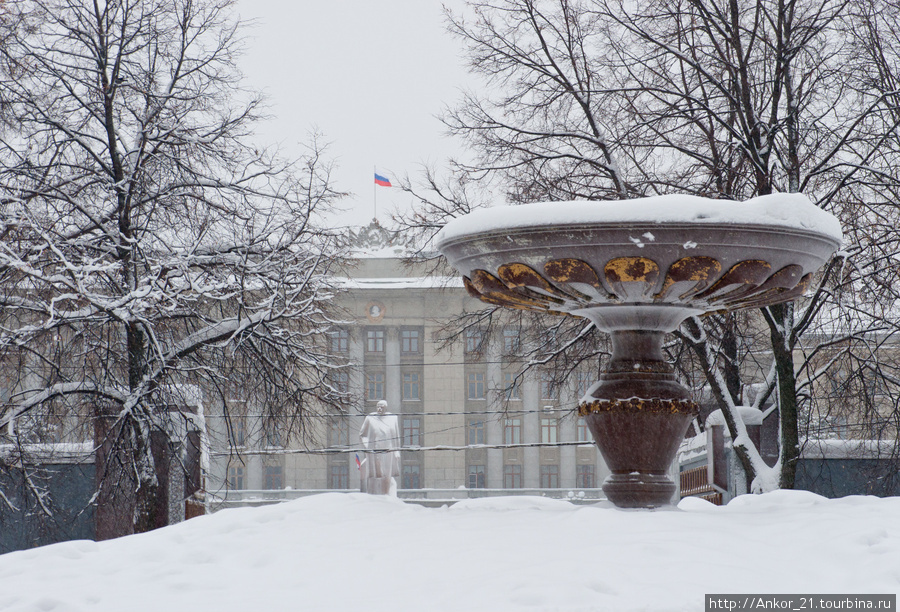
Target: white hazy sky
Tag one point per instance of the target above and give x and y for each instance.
(370, 76)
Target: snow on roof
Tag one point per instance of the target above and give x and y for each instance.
(190, 395)
(692, 448)
(848, 449)
(749, 414)
(415, 282)
(378, 252)
(49, 452)
(789, 210)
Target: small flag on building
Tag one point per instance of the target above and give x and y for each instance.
(381, 180)
(358, 462)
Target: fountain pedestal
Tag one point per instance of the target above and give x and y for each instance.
(638, 414)
(637, 269)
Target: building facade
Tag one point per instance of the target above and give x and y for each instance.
(470, 421)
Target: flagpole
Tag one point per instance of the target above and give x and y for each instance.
(374, 194)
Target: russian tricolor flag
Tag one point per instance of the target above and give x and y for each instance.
(383, 181)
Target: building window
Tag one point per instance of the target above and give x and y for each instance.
(411, 390)
(273, 433)
(583, 382)
(236, 477)
(549, 476)
(238, 431)
(339, 477)
(512, 431)
(476, 477)
(584, 434)
(409, 341)
(410, 477)
(341, 381)
(476, 386)
(375, 341)
(878, 386)
(510, 341)
(584, 477)
(475, 432)
(340, 341)
(512, 476)
(474, 340)
(412, 431)
(549, 431)
(550, 338)
(274, 475)
(375, 386)
(511, 386)
(339, 432)
(839, 383)
(548, 388)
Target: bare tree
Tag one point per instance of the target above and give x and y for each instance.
(754, 99)
(603, 99)
(149, 247)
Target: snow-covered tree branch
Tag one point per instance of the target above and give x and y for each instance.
(603, 99)
(147, 241)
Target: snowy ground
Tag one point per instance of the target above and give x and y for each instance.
(355, 552)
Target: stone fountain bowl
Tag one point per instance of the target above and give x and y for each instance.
(641, 264)
(637, 269)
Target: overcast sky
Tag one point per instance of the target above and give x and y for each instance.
(370, 76)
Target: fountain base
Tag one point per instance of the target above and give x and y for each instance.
(638, 439)
(638, 414)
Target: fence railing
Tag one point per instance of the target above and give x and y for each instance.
(695, 483)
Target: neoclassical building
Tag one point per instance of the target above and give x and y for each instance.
(469, 424)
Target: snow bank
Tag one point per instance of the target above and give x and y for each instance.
(339, 551)
(789, 210)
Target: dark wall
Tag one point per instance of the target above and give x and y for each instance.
(70, 487)
(840, 477)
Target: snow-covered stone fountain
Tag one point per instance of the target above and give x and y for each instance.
(637, 269)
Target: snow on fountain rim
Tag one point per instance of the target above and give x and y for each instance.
(786, 210)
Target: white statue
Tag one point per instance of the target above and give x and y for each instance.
(380, 436)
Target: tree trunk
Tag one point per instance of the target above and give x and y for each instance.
(781, 322)
(151, 503)
(147, 504)
(731, 363)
